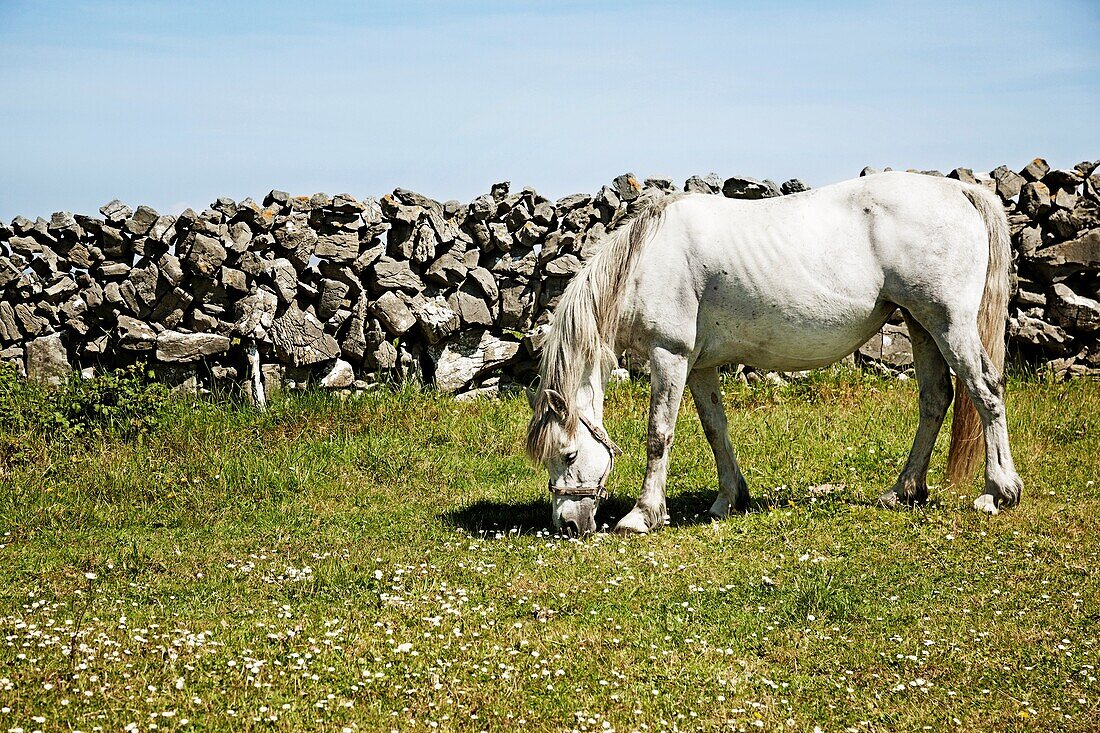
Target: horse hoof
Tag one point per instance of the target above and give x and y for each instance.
(889, 500)
(986, 504)
(633, 523)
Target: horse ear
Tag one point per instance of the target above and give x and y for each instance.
(556, 402)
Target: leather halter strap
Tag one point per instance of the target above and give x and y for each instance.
(590, 489)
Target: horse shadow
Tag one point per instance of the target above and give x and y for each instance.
(492, 519)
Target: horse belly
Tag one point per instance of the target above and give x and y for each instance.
(785, 331)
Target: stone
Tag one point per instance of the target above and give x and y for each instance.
(47, 360)
(300, 339)
(740, 187)
(394, 313)
(334, 294)
(1047, 337)
(134, 335)
(144, 279)
(1068, 258)
(660, 183)
(340, 376)
(142, 221)
(116, 212)
(486, 282)
(709, 183)
(240, 237)
(1072, 311)
(1029, 239)
(63, 225)
(176, 346)
(890, 346)
(341, 246)
(1034, 199)
(868, 171)
(1035, 170)
(793, 185)
(391, 274)
(471, 310)
(436, 319)
(564, 266)
(1062, 180)
(1063, 224)
(233, 280)
(256, 314)
(206, 255)
(30, 323)
(1008, 182)
(285, 278)
(627, 187)
(447, 270)
(60, 289)
(460, 360)
(965, 175)
(9, 327)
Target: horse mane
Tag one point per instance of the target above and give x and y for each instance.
(586, 321)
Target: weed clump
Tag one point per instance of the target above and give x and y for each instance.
(124, 402)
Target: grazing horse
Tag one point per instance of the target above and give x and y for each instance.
(692, 282)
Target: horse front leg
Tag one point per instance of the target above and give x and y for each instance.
(733, 492)
(668, 374)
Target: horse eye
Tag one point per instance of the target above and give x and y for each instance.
(570, 457)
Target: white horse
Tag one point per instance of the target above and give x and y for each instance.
(692, 282)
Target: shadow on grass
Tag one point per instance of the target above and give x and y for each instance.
(488, 518)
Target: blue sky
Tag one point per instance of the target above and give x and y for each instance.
(176, 103)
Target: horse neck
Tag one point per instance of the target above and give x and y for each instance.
(589, 397)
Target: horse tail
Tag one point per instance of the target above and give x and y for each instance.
(967, 442)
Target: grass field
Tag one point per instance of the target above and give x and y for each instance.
(385, 563)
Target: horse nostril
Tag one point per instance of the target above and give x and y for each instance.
(570, 529)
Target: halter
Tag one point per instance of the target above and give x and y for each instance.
(591, 489)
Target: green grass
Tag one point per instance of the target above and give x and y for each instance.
(384, 562)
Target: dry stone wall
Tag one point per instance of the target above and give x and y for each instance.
(343, 292)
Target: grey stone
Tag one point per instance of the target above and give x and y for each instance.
(1068, 258)
(710, 183)
(564, 266)
(436, 319)
(334, 295)
(233, 279)
(394, 313)
(1008, 182)
(890, 346)
(256, 314)
(740, 187)
(1034, 199)
(1072, 311)
(793, 185)
(471, 309)
(964, 175)
(206, 255)
(390, 274)
(486, 282)
(47, 359)
(447, 270)
(176, 346)
(341, 246)
(142, 220)
(1035, 170)
(340, 376)
(9, 327)
(135, 335)
(116, 211)
(300, 339)
(627, 187)
(240, 236)
(868, 171)
(64, 226)
(1049, 338)
(460, 360)
(285, 278)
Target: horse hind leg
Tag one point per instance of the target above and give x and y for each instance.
(733, 492)
(962, 347)
(934, 382)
